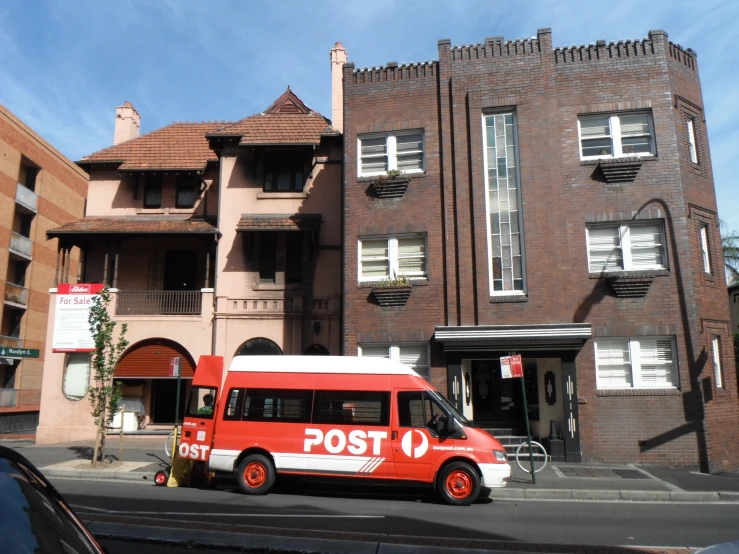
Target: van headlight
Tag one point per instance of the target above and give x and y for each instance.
(500, 455)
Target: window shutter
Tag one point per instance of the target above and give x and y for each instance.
(412, 256)
(646, 247)
(604, 245)
(657, 364)
(409, 151)
(375, 350)
(613, 364)
(77, 376)
(416, 356)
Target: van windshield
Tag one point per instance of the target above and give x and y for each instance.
(450, 408)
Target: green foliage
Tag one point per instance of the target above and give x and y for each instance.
(730, 246)
(105, 396)
(399, 281)
(394, 173)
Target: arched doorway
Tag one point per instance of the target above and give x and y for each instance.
(316, 350)
(259, 347)
(148, 386)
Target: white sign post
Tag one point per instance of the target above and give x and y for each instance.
(71, 319)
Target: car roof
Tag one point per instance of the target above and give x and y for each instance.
(347, 365)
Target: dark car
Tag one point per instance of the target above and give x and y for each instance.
(34, 518)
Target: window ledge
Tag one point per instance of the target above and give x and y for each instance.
(639, 392)
(155, 211)
(417, 282)
(404, 176)
(282, 195)
(392, 296)
(182, 210)
(610, 160)
(506, 298)
(272, 287)
(649, 273)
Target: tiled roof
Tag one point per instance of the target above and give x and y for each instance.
(281, 128)
(133, 225)
(176, 146)
(279, 222)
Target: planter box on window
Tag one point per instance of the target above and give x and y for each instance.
(390, 188)
(392, 296)
(620, 170)
(630, 285)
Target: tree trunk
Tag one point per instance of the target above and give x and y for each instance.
(102, 436)
(97, 448)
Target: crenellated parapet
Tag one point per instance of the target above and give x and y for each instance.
(604, 51)
(393, 71)
(686, 56)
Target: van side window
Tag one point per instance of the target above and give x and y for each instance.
(233, 405)
(290, 406)
(418, 409)
(352, 407)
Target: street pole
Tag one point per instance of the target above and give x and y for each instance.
(176, 367)
(528, 429)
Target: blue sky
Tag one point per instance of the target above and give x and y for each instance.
(66, 64)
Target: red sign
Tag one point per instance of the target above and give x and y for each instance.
(174, 366)
(511, 367)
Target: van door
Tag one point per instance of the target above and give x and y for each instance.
(198, 428)
(415, 441)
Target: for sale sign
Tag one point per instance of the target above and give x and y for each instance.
(71, 319)
(511, 367)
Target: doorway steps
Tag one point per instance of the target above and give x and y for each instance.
(510, 438)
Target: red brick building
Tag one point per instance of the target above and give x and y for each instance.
(558, 203)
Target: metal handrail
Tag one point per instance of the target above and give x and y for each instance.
(159, 302)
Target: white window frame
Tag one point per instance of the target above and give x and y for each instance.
(635, 363)
(705, 250)
(717, 368)
(394, 352)
(690, 124)
(615, 128)
(391, 147)
(624, 233)
(392, 255)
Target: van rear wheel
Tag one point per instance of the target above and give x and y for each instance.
(459, 484)
(256, 474)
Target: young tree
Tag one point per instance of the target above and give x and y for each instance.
(104, 395)
(730, 246)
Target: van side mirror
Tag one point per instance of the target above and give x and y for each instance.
(443, 425)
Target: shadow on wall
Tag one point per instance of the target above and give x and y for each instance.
(698, 391)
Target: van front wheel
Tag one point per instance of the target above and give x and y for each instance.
(255, 474)
(459, 484)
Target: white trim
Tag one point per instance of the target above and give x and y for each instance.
(635, 363)
(347, 365)
(615, 135)
(494, 475)
(581, 331)
(393, 263)
(391, 151)
(717, 370)
(223, 460)
(394, 353)
(624, 235)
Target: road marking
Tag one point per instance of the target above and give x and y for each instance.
(83, 509)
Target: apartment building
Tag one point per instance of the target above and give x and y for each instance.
(39, 189)
(558, 203)
(215, 238)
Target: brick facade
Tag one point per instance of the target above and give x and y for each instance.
(694, 424)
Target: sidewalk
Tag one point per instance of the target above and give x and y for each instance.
(144, 456)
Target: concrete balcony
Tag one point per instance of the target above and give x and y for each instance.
(20, 245)
(16, 294)
(10, 342)
(26, 199)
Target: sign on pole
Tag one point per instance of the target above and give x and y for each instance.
(174, 366)
(511, 367)
(19, 352)
(71, 319)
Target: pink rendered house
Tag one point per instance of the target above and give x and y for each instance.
(215, 238)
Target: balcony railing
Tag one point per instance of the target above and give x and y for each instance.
(10, 342)
(8, 398)
(20, 244)
(16, 293)
(161, 302)
(26, 197)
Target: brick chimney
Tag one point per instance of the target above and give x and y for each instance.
(338, 59)
(127, 123)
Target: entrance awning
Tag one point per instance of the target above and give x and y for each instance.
(481, 338)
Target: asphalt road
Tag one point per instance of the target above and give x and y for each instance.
(416, 513)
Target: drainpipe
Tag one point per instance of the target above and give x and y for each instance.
(215, 257)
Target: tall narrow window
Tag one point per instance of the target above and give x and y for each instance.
(504, 222)
(705, 252)
(294, 257)
(153, 192)
(185, 191)
(691, 141)
(267, 257)
(716, 344)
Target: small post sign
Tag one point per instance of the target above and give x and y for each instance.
(18, 352)
(511, 367)
(174, 366)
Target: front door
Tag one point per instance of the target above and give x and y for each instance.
(496, 402)
(180, 270)
(164, 400)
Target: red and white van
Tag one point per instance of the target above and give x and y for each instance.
(335, 416)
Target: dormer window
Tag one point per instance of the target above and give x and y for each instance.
(284, 171)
